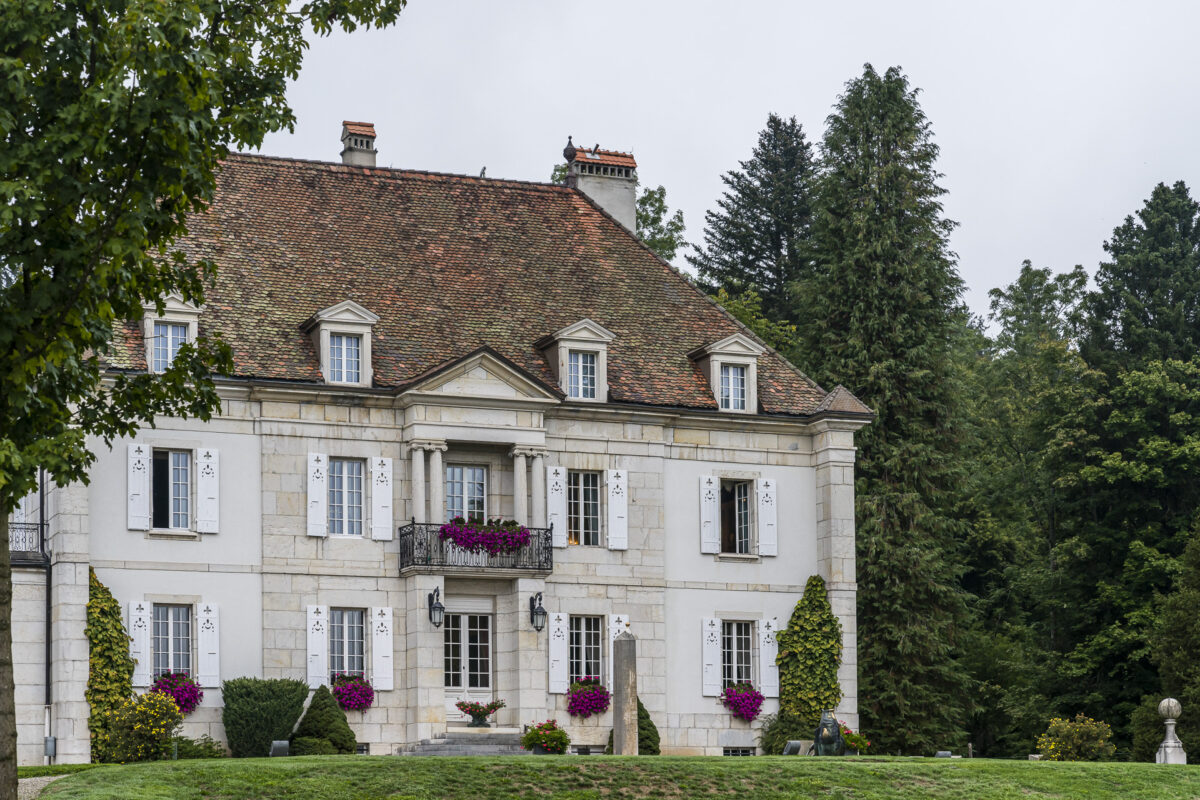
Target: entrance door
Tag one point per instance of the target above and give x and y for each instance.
(468, 661)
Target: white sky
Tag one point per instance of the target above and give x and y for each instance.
(1055, 119)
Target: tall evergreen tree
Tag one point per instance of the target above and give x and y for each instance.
(757, 238)
(882, 311)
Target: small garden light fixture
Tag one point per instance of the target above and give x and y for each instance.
(537, 614)
(437, 611)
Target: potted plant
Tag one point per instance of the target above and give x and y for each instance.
(855, 742)
(494, 537)
(479, 712)
(587, 697)
(546, 738)
(743, 700)
(186, 693)
(353, 692)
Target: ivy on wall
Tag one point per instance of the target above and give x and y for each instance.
(810, 650)
(110, 668)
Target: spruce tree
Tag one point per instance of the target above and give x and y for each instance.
(882, 314)
(325, 719)
(757, 238)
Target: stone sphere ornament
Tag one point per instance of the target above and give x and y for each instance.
(1170, 708)
(1171, 750)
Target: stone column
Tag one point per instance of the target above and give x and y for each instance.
(520, 486)
(1171, 750)
(418, 481)
(625, 722)
(437, 483)
(538, 499)
(423, 655)
(520, 658)
(67, 520)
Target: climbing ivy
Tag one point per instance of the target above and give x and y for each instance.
(810, 650)
(110, 669)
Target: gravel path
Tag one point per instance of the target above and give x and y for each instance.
(29, 788)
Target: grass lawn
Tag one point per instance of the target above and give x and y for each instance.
(588, 777)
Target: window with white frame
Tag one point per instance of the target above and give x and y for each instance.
(736, 524)
(168, 337)
(737, 652)
(347, 642)
(581, 369)
(171, 489)
(733, 387)
(466, 493)
(345, 358)
(346, 496)
(171, 639)
(583, 508)
(584, 647)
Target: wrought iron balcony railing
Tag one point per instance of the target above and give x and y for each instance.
(25, 544)
(421, 550)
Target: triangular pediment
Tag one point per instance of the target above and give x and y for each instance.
(585, 329)
(346, 312)
(737, 344)
(174, 306)
(484, 374)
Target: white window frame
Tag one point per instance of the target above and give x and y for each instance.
(583, 367)
(743, 533)
(347, 318)
(175, 312)
(461, 509)
(341, 640)
(734, 378)
(583, 337)
(181, 495)
(168, 337)
(733, 669)
(340, 495)
(343, 368)
(174, 654)
(578, 507)
(737, 350)
(583, 650)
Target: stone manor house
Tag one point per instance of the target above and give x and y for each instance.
(412, 347)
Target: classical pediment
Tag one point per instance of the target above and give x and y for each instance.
(346, 312)
(483, 374)
(737, 344)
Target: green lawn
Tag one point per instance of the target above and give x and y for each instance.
(587, 777)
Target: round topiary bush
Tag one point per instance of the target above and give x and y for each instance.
(258, 711)
(326, 720)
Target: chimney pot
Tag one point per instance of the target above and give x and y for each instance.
(358, 143)
(608, 177)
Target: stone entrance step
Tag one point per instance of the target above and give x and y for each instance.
(469, 742)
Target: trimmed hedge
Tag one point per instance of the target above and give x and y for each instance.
(311, 746)
(326, 720)
(258, 711)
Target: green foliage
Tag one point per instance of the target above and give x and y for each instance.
(758, 239)
(1080, 739)
(780, 728)
(204, 747)
(660, 230)
(139, 729)
(547, 735)
(312, 746)
(881, 315)
(258, 711)
(748, 308)
(326, 720)
(648, 739)
(810, 651)
(110, 669)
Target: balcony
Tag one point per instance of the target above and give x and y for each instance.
(422, 551)
(25, 545)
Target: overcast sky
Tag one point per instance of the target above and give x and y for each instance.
(1055, 119)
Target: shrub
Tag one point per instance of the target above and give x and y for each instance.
(325, 720)
(204, 747)
(312, 746)
(182, 689)
(854, 741)
(258, 711)
(140, 729)
(648, 742)
(110, 669)
(587, 697)
(778, 729)
(743, 700)
(1081, 739)
(353, 692)
(810, 650)
(553, 738)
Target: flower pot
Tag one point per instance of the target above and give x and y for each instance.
(479, 721)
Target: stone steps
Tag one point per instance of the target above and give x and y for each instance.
(463, 743)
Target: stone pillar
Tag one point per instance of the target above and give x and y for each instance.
(437, 483)
(1171, 750)
(625, 725)
(418, 482)
(520, 486)
(423, 653)
(520, 656)
(538, 499)
(67, 520)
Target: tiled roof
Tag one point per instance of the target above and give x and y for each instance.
(450, 264)
(608, 158)
(359, 128)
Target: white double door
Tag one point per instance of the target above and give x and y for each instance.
(469, 641)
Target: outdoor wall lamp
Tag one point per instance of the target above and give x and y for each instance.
(437, 611)
(537, 614)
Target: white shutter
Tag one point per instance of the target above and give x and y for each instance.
(382, 674)
(710, 657)
(556, 503)
(208, 490)
(318, 646)
(768, 649)
(138, 475)
(617, 623)
(139, 644)
(618, 509)
(559, 634)
(768, 534)
(208, 643)
(710, 514)
(381, 499)
(318, 499)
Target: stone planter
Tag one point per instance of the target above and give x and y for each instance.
(479, 721)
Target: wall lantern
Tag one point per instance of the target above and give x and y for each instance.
(537, 614)
(437, 611)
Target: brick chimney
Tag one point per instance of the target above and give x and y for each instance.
(358, 144)
(608, 177)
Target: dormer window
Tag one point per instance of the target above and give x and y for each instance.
(166, 333)
(342, 338)
(731, 367)
(578, 355)
(168, 337)
(733, 387)
(581, 384)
